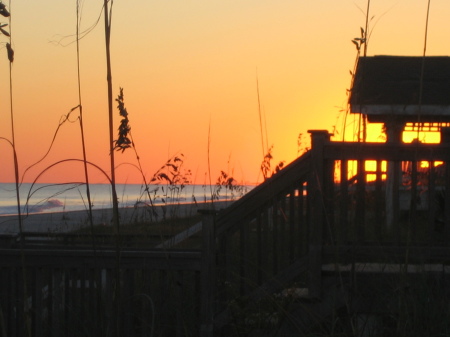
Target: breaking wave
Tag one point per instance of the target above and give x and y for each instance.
(49, 204)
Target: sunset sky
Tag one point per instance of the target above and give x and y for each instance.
(189, 70)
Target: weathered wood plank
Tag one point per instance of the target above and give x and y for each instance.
(275, 236)
(316, 183)
(208, 276)
(291, 239)
(386, 151)
(259, 249)
(360, 201)
(342, 234)
(155, 259)
(379, 204)
(386, 253)
(432, 201)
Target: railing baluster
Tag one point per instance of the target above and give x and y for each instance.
(379, 205)
(291, 252)
(207, 275)
(178, 301)
(6, 305)
(275, 236)
(396, 201)
(57, 302)
(244, 255)
(447, 202)
(265, 243)
(83, 296)
(328, 201)
(302, 226)
(282, 230)
(412, 218)
(315, 195)
(259, 248)
(37, 301)
(344, 204)
(126, 309)
(19, 321)
(91, 300)
(360, 202)
(432, 200)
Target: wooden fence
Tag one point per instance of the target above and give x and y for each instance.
(57, 292)
(338, 203)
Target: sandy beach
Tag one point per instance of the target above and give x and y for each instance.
(68, 221)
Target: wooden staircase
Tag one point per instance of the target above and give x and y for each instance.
(315, 227)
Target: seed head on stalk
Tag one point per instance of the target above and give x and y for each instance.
(3, 11)
(123, 142)
(10, 52)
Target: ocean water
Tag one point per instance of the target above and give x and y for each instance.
(45, 198)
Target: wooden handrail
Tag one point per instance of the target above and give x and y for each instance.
(386, 151)
(87, 258)
(261, 195)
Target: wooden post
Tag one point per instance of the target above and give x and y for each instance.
(291, 240)
(394, 130)
(316, 199)
(360, 201)
(445, 140)
(244, 258)
(379, 205)
(432, 205)
(343, 229)
(447, 202)
(207, 274)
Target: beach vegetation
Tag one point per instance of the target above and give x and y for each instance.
(228, 188)
(302, 146)
(266, 165)
(123, 141)
(167, 183)
(4, 11)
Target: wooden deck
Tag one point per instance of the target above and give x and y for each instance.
(327, 226)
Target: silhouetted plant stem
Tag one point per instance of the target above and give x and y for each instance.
(366, 28)
(10, 53)
(110, 114)
(209, 164)
(364, 117)
(260, 118)
(16, 165)
(86, 175)
(141, 170)
(107, 15)
(422, 70)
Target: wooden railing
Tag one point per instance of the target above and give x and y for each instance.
(386, 206)
(71, 292)
(262, 241)
(329, 207)
(375, 203)
(326, 207)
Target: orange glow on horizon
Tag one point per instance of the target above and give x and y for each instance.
(189, 72)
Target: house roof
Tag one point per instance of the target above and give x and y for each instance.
(390, 85)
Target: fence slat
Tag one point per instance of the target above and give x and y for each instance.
(208, 278)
